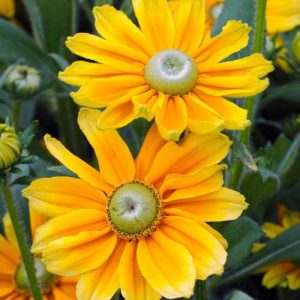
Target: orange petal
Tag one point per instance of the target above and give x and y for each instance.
(75, 164)
(58, 195)
(9, 257)
(152, 15)
(114, 157)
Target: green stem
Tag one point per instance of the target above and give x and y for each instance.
(16, 109)
(200, 290)
(26, 256)
(250, 102)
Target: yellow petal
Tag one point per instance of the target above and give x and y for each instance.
(133, 284)
(116, 27)
(202, 119)
(152, 15)
(114, 157)
(189, 18)
(117, 116)
(36, 219)
(7, 8)
(152, 144)
(75, 164)
(9, 257)
(171, 118)
(272, 230)
(58, 195)
(235, 117)
(112, 54)
(234, 37)
(74, 255)
(222, 205)
(59, 294)
(7, 288)
(82, 71)
(64, 226)
(182, 186)
(193, 153)
(208, 253)
(166, 265)
(294, 279)
(108, 91)
(103, 282)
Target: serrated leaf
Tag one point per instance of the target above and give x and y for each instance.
(243, 154)
(28, 134)
(240, 235)
(28, 159)
(284, 246)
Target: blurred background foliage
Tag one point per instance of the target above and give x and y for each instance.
(35, 37)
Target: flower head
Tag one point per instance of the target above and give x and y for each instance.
(14, 282)
(281, 273)
(138, 225)
(170, 69)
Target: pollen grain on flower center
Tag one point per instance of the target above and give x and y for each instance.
(134, 210)
(172, 72)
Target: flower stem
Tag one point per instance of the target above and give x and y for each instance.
(250, 102)
(200, 290)
(20, 235)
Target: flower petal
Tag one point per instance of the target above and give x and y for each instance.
(58, 293)
(74, 255)
(115, 55)
(222, 205)
(193, 153)
(75, 164)
(208, 253)
(166, 265)
(235, 117)
(153, 142)
(116, 27)
(9, 257)
(133, 284)
(182, 186)
(234, 37)
(103, 282)
(58, 195)
(171, 118)
(152, 15)
(117, 116)
(189, 18)
(7, 288)
(114, 157)
(82, 71)
(64, 226)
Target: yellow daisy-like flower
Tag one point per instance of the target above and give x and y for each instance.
(281, 15)
(169, 69)
(7, 8)
(138, 225)
(281, 273)
(14, 284)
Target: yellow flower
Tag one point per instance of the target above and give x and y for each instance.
(280, 273)
(13, 279)
(169, 69)
(138, 225)
(7, 8)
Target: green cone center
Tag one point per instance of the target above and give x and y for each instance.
(172, 72)
(44, 278)
(134, 210)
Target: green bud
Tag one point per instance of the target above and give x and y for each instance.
(10, 146)
(296, 47)
(22, 81)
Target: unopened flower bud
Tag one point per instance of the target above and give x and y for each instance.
(22, 81)
(296, 47)
(10, 147)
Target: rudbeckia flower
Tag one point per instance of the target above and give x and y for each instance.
(168, 69)
(7, 8)
(137, 225)
(14, 283)
(281, 273)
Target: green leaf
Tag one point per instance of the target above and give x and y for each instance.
(24, 180)
(239, 295)
(61, 170)
(259, 186)
(243, 154)
(279, 149)
(285, 246)
(240, 235)
(27, 136)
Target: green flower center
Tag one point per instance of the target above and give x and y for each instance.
(172, 72)
(134, 210)
(44, 278)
